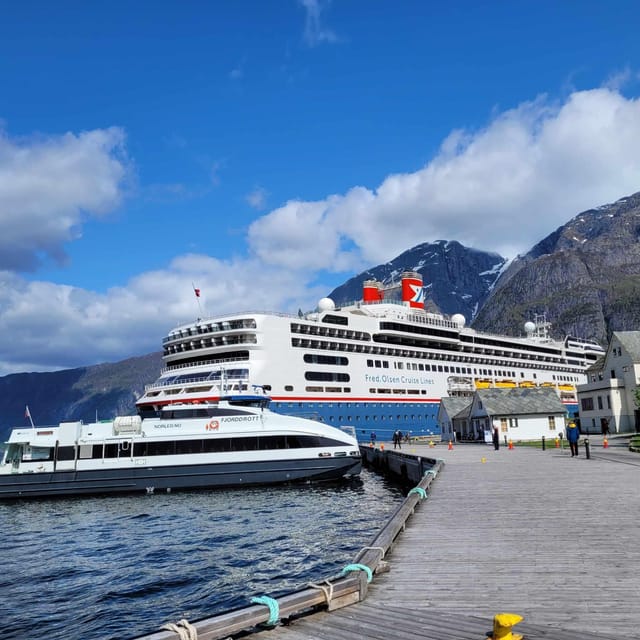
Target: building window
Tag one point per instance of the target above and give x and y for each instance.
(613, 374)
(513, 423)
(552, 423)
(599, 402)
(608, 402)
(503, 424)
(586, 404)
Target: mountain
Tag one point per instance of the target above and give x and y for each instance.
(103, 390)
(585, 276)
(458, 279)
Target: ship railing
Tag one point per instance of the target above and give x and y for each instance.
(222, 318)
(226, 381)
(185, 365)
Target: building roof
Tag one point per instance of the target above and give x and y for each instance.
(630, 340)
(455, 404)
(520, 401)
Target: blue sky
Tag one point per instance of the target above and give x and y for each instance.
(268, 151)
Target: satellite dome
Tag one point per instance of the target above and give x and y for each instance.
(529, 327)
(326, 304)
(458, 319)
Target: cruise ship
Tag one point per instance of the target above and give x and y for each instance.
(378, 365)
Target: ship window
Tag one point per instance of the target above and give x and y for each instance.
(111, 450)
(66, 453)
(288, 387)
(86, 451)
(385, 364)
(328, 376)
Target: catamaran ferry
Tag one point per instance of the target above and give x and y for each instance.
(378, 365)
(235, 442)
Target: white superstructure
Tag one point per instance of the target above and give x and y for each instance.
(379, 364)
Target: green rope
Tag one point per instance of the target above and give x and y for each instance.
(359, 567)
(420, 491)
(274, 608)
(431, 472)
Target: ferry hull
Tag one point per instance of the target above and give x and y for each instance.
(179, 477)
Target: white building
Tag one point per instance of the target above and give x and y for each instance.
(519, 414)
(608, 398)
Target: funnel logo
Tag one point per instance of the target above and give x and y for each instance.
(417, 292)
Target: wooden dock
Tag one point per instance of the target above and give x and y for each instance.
(553, 538)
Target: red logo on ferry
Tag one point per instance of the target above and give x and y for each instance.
(214, 425)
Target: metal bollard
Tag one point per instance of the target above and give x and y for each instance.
(586, 448)
(544, 446)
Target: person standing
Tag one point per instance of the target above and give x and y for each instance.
(396, 439)
(572, 436)
(496, 439)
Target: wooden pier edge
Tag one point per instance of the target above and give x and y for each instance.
(345, 589)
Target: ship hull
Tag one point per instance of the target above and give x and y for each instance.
(175, 477)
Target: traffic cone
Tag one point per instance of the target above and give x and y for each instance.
(450, 447)
(510, 445)
(557, 443)
(431, 445)
(605, 443)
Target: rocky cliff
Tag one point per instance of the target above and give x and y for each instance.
(585, 277)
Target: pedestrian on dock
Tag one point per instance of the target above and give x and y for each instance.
(397, 439)
(572, 436)
(496, 438)
(373, 437)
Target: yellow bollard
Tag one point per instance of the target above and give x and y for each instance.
(502, 623)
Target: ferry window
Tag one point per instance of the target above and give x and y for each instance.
(400, 365)
(378, 365)
(216, 445)
(439, 367)
(188, 446)
(369, 363)
(385, 364)
(97, 451)
(347, 389)
(110, 450)
(446, 369)
(420, 367)
(66, 453)
(166, 448)
(86, 451)
(288, 387)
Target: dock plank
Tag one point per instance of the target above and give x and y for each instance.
(541, 534)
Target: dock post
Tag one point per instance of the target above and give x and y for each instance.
(586, 448)
(544, 445)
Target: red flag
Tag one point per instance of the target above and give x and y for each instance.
(27, 413)
(197, 292)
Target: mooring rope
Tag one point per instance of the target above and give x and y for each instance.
(274, 608)
(359, 567)
(184, 630)
(420, 491)
(328, 592)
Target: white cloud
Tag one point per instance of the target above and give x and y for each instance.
(48, 185)
(56, 326)
(502, 188)
(315, 32)
(257, 199)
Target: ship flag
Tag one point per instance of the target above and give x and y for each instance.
(27, 414)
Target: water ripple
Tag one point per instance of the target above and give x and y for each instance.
(117, 567)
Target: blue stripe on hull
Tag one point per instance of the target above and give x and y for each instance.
(140, 479)
(416, 418)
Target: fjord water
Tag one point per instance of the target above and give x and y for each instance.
(118, 567)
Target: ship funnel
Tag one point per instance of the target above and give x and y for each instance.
(372, 291)
(412, 291)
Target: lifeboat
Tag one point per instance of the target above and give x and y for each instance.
(482, 383)
(505, 384)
